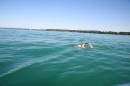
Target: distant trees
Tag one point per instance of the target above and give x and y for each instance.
(91, 31)
(116, 33)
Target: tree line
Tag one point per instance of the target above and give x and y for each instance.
(90, 31)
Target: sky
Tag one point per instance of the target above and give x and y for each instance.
(102, 15)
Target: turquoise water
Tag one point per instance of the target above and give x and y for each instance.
(43, 58)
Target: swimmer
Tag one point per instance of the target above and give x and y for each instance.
(83, 45)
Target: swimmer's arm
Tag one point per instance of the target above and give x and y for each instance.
(83, 45)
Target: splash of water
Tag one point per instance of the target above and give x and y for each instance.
(90, 45)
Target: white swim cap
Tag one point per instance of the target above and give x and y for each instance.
(79, 46)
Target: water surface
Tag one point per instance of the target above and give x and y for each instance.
(47, 58)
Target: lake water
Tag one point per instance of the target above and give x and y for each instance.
(48, 58)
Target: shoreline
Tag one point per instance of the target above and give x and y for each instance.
(79, 31)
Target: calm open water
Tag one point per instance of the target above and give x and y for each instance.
(43, 58)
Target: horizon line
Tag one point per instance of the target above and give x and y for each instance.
(57, 29)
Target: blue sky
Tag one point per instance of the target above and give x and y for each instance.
(103, 15)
